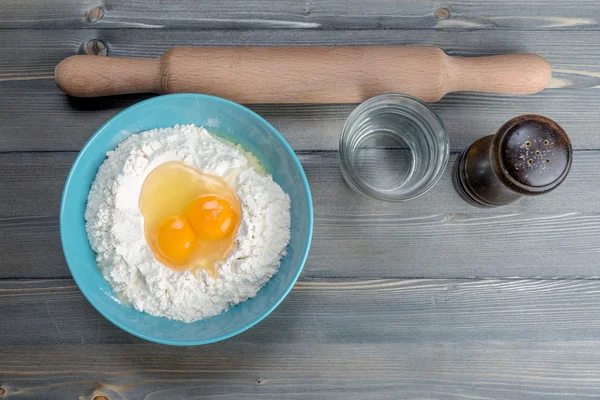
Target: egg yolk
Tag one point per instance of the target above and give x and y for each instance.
(211, 217)
(175, 239)
(191, 218)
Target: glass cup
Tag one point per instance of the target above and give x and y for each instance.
(393, 147)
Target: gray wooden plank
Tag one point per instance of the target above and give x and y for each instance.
(479, 370)
(397, 310)
(29, 57)
(31, 185)
(578, 193)
(310, 14)
(436, 339)
(437, 235)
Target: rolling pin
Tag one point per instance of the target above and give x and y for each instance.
(346, 74)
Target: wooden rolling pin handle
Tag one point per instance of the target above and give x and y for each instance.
(93, 76)
(506, 74)
(304, 74)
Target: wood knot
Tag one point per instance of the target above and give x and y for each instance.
(442, 14)
(94, 14)
(100, 398)
(2, 391)
(94, 47)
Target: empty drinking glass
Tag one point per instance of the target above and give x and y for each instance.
(393, 147)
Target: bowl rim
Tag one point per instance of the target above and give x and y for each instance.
(278, 136)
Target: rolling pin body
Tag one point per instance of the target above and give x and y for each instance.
(303, 74)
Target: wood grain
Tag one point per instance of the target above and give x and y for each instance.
(94, 75)
(31, 185)
(307, 74)
(310, 14)
(350, 329)
(29, 58)
(437, 235)
(437, 339)
(397, 310)
(358, 371)
(466, 116)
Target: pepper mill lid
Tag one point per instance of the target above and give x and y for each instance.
(531, 154)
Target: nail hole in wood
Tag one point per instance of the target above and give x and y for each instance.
(100, 398)
(94, 14)
(442, 14)
(2, 391)
(94, 47)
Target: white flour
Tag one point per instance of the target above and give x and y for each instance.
(116, 232)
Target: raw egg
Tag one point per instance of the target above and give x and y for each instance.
(190, 218)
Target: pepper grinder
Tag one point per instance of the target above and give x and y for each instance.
(529, 155)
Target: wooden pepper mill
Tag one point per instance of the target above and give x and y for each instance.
(529, 155)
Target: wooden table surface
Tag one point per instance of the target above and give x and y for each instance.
(429, 299)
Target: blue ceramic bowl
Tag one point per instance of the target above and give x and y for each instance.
(227, 119)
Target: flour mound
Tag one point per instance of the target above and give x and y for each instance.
(115, 226)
